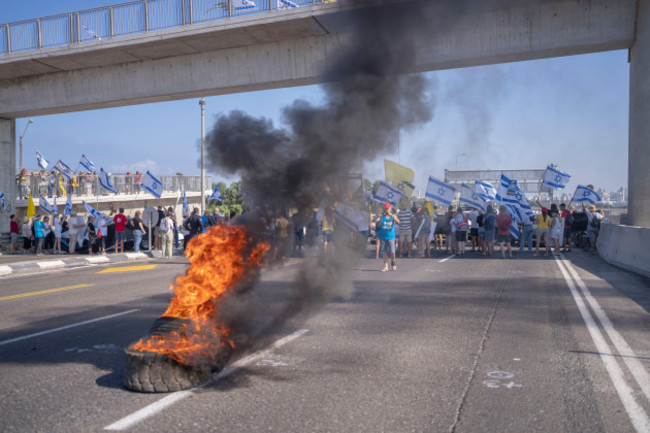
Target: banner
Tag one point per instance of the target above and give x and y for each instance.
(555, 178)
(352, 217)
(31, 209)
(64, 169)
(440, 191)
(42, 162)
(400, 176)
(105, 182)
(87, 163)
(387, 194)
(471, 198)
(152, 184)
(584, 193)
(485, 190)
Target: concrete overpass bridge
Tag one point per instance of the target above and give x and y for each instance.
(265, 49)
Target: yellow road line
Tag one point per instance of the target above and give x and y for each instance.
(42, 292)
(127, 269)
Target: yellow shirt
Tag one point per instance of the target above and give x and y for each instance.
(327, 225)
(542, 223)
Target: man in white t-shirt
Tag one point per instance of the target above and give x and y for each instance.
(75, 226)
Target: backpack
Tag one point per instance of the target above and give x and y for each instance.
(595, 223)
(568, 221)
(504, 224)
(462, 225)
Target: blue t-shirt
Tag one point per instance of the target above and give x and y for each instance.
(38, 229)
(204, 220)
(489, 221)
(386, 229)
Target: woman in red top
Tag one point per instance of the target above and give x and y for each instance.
(503, 222)
(15, 233)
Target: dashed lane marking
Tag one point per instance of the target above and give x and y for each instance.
(127, 269)
(445, 259)
(42, 292)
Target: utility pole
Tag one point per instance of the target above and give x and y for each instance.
(202, 104)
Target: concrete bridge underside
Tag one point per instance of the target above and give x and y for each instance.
(293, 47)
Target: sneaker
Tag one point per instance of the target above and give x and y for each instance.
(394, 267)
(385, 268)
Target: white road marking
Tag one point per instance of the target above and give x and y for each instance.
(629, 357)
(165, 402)
(51, 264)
(444, 260)
(97, 259)
(636, 413)
(74, 325)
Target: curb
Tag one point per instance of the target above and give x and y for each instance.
(27, 267)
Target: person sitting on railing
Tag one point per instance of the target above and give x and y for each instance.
(22, 184)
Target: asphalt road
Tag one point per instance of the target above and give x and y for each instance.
(466, 344)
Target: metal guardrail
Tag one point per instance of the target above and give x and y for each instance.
(50, 185)
(128, 18)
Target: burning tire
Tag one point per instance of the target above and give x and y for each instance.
(154, 372)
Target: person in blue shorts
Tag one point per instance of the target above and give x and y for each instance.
(386, 235)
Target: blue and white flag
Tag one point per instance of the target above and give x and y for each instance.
(281, 4)
(87, 163)
(45, 206)
(42, 162)
(186, 206)
(105, 181)
(485, 190)
(216, 194)
(68, 206)
(55, 210)
(388, 194)
(64, 169)
(440, 191)
(94, 212)
(4, 203)
(583, 194)
(509, 192)
(471, 198)
(555, 178)
(152, 184)
(243, 4)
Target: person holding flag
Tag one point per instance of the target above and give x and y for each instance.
(542, 231)
(386, 235)
(594, 217)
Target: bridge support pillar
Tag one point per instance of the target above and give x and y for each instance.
(639, 139)
(7, 167)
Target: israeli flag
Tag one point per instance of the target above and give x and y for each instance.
(64, 169)
(152, 184)
(216, 195)
(281, 4)
(440, 191)
(243, 4)
(583, 194)
(555, 178)
(388, 194)
(509, 192)
(471, 198)
(94, 212)
(4, 203)
(68, 206)
(485, 190)
(105, 182)
(186, 206)
(45, 206)
(87, 163)
(42, 162)
(55, 210)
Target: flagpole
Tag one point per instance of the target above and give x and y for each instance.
(202, 104)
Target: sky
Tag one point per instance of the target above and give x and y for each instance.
(570, 111)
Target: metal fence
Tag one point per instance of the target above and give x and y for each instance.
(53, 185)
(129, 18)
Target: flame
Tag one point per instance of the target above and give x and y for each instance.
(219, 259)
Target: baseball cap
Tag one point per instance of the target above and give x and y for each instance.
(544, 210)
(387, 206)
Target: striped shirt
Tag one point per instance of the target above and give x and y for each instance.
(405, 219)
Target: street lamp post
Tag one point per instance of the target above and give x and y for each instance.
(21, 143)
(202, 104)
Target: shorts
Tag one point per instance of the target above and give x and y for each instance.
(503, 238)
(539, 233)
(481, 231)
(567, 232)
(488, 236)
(461, 235)
(473, 232)
(386, 245)
(592, 234)
(328, 236)
(120, 236)
(556, 235)
(405, 236)
(14, 238)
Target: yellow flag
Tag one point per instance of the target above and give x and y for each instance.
(31, 210)
(429, 206)
(400, 176)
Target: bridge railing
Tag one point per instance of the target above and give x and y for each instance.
(122, 19)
